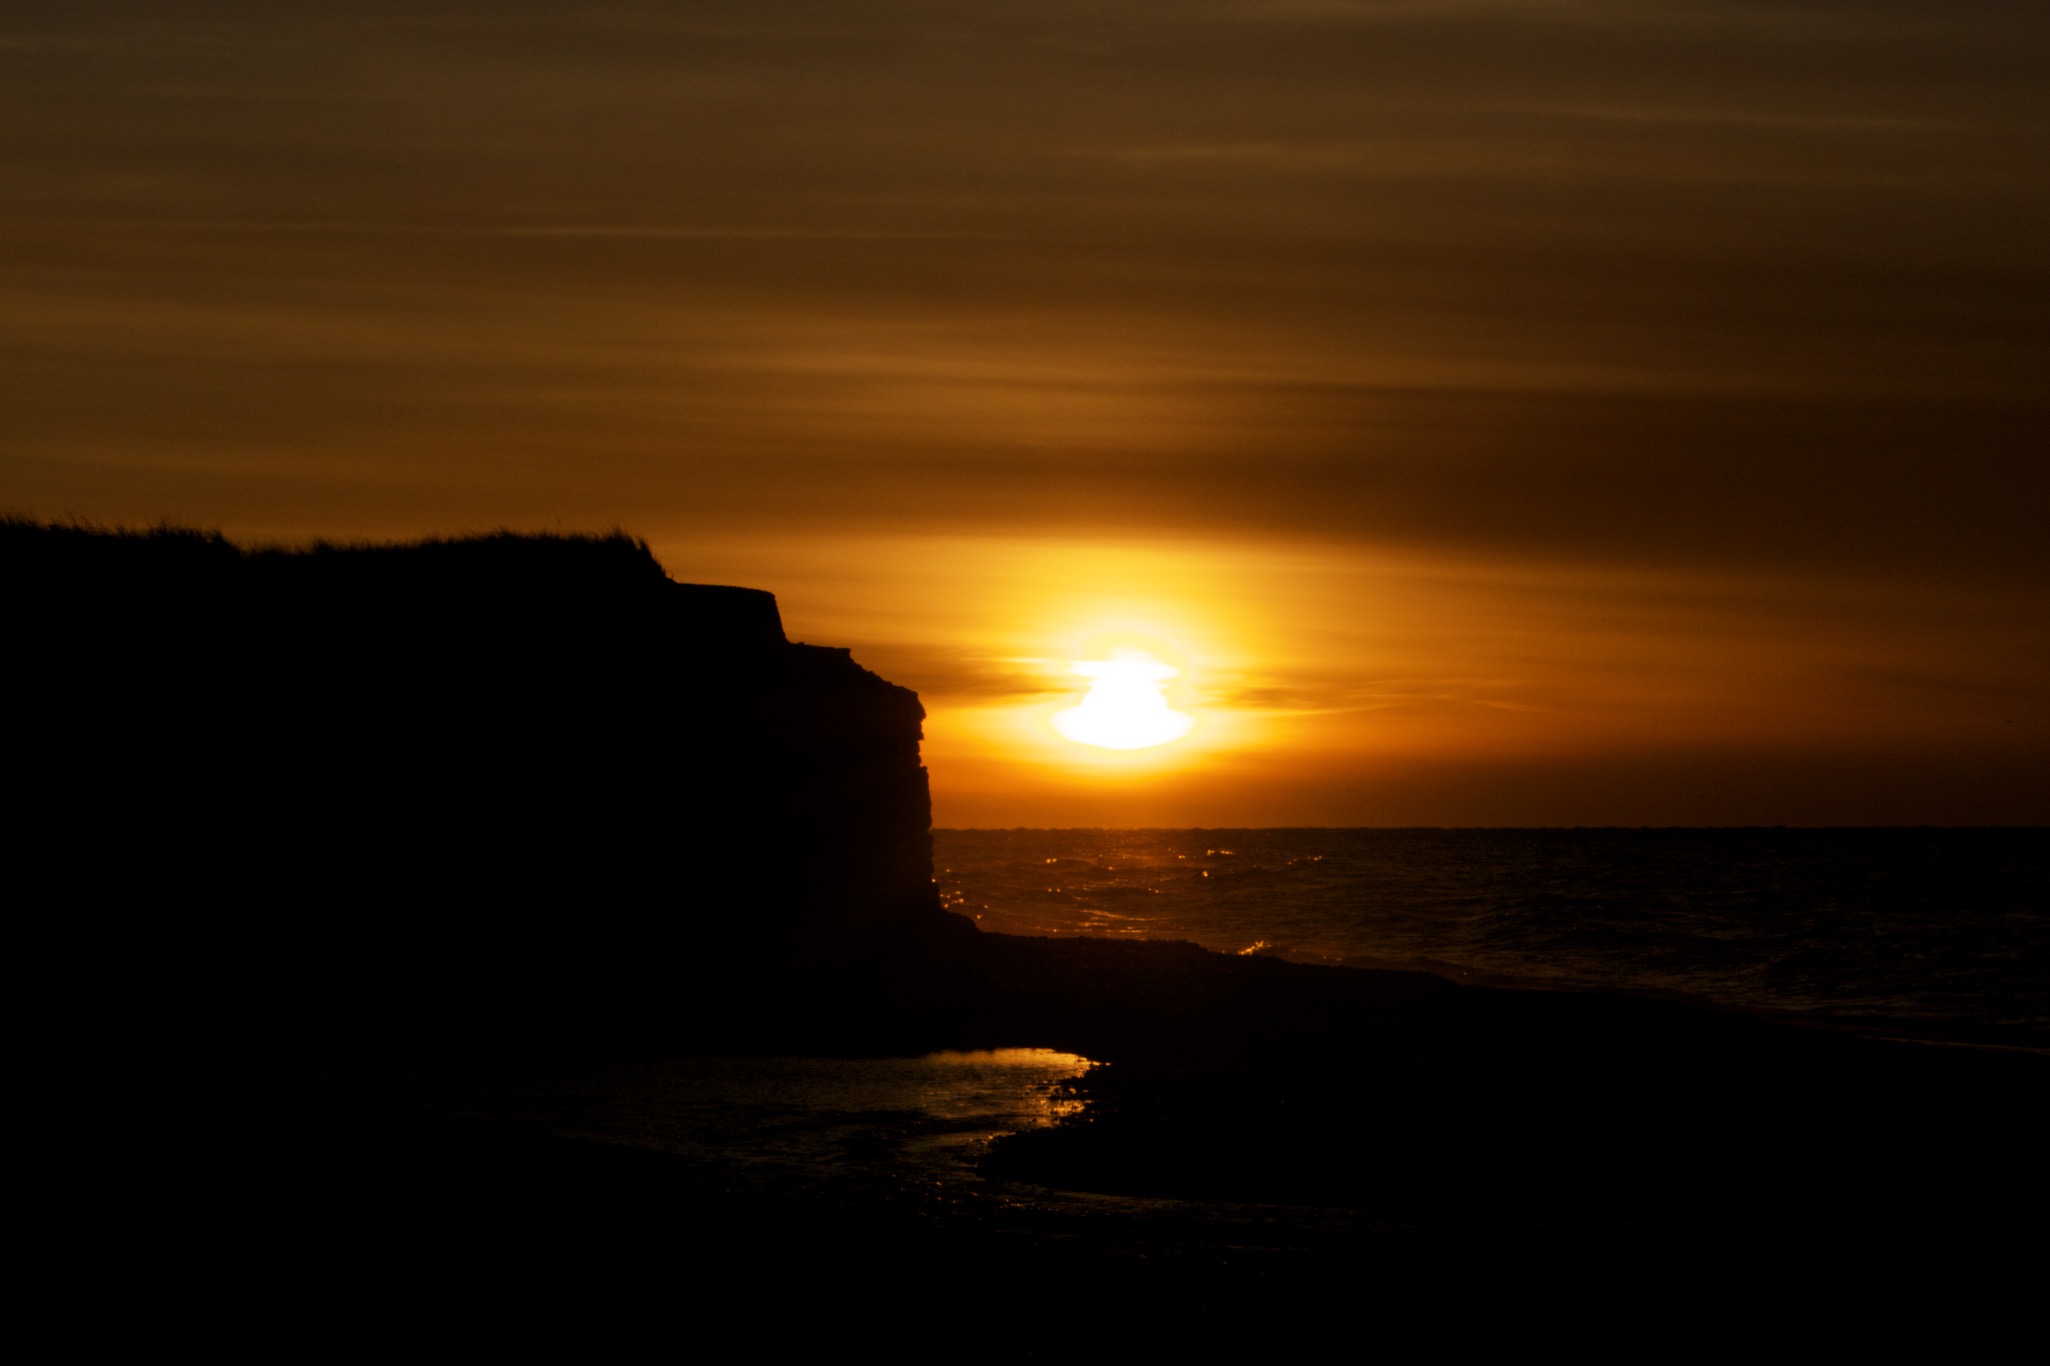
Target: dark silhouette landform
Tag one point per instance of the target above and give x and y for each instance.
(518, 795)
(510, 788)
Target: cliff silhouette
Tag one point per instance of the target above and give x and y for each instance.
(508, 786)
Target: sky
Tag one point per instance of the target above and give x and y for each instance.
(1501, 412)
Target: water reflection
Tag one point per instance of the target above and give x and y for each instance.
(1019, 1085)
(925, 1119)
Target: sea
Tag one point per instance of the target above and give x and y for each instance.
(1941, 934)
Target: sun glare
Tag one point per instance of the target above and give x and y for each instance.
(1125, 707)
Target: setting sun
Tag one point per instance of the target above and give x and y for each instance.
(1124, 707)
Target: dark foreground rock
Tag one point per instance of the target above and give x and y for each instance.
(1413, 1096)
(1253, 1079)
(1375, 1117)
(1278, 1152)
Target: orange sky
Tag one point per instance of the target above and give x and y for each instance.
(1512, 411)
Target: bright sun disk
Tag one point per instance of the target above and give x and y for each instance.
(1125, 707)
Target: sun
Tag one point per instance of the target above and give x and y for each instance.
(1125, 707)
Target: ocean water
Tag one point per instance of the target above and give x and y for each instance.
(1935, 933)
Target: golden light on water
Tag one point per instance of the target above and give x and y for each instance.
(1125, 707)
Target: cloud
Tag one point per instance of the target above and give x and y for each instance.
(1649, 293)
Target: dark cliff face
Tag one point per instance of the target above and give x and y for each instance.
(521, 762)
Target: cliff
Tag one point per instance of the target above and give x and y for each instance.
(488, 778)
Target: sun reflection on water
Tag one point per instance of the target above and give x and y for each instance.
(1019, 1084)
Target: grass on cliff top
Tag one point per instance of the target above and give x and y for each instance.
(28, 545)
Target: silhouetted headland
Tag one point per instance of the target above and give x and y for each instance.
(508, 788)
(515, 796)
